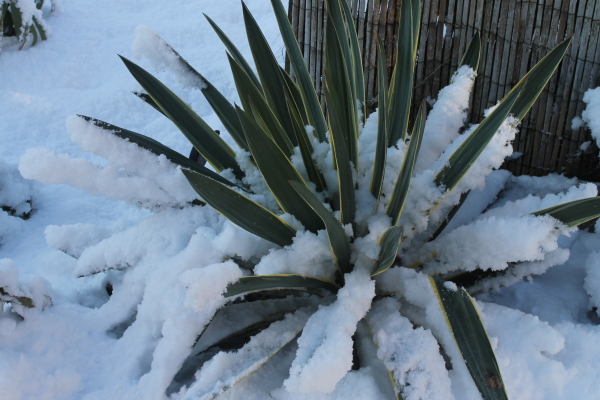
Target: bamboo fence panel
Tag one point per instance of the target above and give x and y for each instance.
(515, 35)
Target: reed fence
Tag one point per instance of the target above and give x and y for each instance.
(515, 35)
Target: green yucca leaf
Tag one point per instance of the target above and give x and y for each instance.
(366, 351)
(235, 53)
(472, 340)
(263, 113)
(389, 242)
(34, 33)
(463, 158)
(575, 212)
(402, 78)
(148, 100)
(341, 114)
(226, 113)
(340, 247)
(343, 119)
(396, 204)
(217, 101)
(305, 146)
(241, 210)
(382, 125)
(536, 79)
(202, 137)
(212, 386)
(237, 339)
(17, 18)
(471, 56)
(309, 96)
(277, 170)
(158, 148)
(40, 29)
(270, 282)
(335, 16)
(450, 215)
(272, 81)
(293, 89)
(357, 66)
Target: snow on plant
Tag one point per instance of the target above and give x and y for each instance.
(325, 228)
(23, 295)
(23, 20)
(15, 200)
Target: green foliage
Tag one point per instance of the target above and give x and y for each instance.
(472, 340)
(12, 23)
(272, 122)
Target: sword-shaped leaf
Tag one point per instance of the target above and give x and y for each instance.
(249, 94)
(277, 170)
(339, 80)
(217, 101)
(464, 157)
(272, 81)
(237, 339)
(309, 96)
(472, 340)
(341, 119)
(389, 242)
(202, 137)
(396, 204)
(536, 79)
(294, 90)
(148, 100)
(357, 66)
(212, 382)
(450, 215)
(157, 148)
(334, 12)
(382, 125)
(575, 212)
(402, 78)
(338, 241)
(471, 56)
(241, 210)
(226, 113)
(306, 149)
(40, 29)
(235, 53)
(367, 355)
(270, 282)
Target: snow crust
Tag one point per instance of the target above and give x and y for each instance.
(446, 118)
(324, 354)
(421, 306)
(149, 44)
(412, 355)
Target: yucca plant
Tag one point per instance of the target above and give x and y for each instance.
(13, 23)
(301, 173)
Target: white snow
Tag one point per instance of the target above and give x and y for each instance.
(412, 355)
(446, 118)
(590, 115)
(324, 353)
(149, 44)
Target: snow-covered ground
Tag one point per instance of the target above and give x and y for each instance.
(546, 336)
